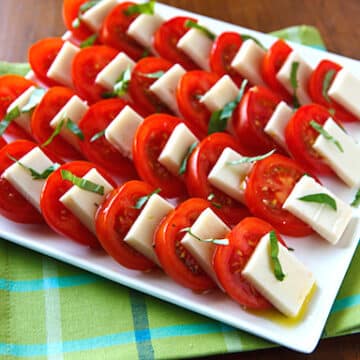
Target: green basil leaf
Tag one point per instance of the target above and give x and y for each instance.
(274, 253)
(145, 8)
(88, 5)
(97, 135)
(122, 83)
(320, 198)
(316, 126)
(55, 133)
(184, 162)
(9, 117)
(356, 201)
(294, 82)
(154, 75)
(245, 37)
(76, 23)
(194, 25)
(253, 159)
(34, 100)
(326, 83)
(82, 183)
(89, 41)
(212, 241)
(144, 199)
(74, 129)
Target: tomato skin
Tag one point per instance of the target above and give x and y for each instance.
(315, 90)
(250, 118)
(175, 260)
(57, 216)
(230, 260)
(41, 55)
(269, 184)
(2, 142)
(191, 86)
(300, 137)
(150, 138)
(200, 163)
(114, 31)
(166, 38)
(87, 63)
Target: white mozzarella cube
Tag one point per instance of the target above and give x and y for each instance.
(110, 74)
(121, 131)
(247, 62)
(327, 222)
(342, 162)
(83, 203)
(230, 178)
(176, 148)
(140, 236)
(95, 16)
(143, 28)
(165, 87)
(67, 36)
(345, 91)
(60, 69)
(207, 226)
(223, 92)
(21, 178)
(288, 295)
(197, 46)
(74, 110)
(302, 76)
(277, 123)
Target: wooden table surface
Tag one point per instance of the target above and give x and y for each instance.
(25, 21)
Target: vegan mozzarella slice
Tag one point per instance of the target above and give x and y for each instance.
(176, 148)
(83, 203)
(140, 235)
(248, 60)
(21, 178)
(207, 226)
(165, 87)
(327, 222)
(230, 178)
(302, 76)
(287, 295)
(121, 131)
(60, 69)
(345, 91)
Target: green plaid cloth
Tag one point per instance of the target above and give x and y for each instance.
(50, 310)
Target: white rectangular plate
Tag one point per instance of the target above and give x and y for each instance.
(314, 252)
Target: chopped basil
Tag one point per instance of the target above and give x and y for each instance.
(83, 8)
(122, 83)
(213, 241)
(97, 136)
(326, 83)
(154, 75)
(76, 23)
(274, 253)
(74, 129)
(145, 8)
(245, 37)
(315, 125)
(145, 53)
(320, 198)
(82, 183)
(213, 203)
(332, 112)
(203, 29)
(246, 159)
(294, 82)
(9, 117)
(184, 162)
(89, 41)
(144, 199)
(55, 133)
(356, 201)
(34, 100)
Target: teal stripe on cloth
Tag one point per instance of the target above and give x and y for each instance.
(346, 303)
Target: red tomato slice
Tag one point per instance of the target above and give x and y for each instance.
(151, 137)
(166, 39)
(200, 163)
(316, 90)
(273, 61)
(230, 260)
(250, 118)
(113, 32)
(191, 87)
(222, 54)
(139, 87)
(57, 216)
(100, 151)
(300, 137)
(49, 106)
(269, 184)
(114, 219)
(87, 63)
(41, 55)
(175, 260)
(2, 142)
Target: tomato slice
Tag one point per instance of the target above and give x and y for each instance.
(224, 49)
(139, 87)
(100, 151)
(316, 90)
(57, 216)
(269, 184)
(2, 142)
(87, 63)
(230, 260)
(52, 102)
(300, 137)
(200, 163)
(175, 260)
(114, 31)
(191, 87)
(41, 55)
(166, 39)
(251, 116)
(115, 218)
(150, 139)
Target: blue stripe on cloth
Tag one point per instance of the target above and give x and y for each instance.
(345, 303)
